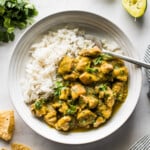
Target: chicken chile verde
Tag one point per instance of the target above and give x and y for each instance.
(87, 90)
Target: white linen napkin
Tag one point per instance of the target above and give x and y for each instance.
(142, 144)
(147, 59)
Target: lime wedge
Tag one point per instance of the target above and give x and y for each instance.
(135, 8)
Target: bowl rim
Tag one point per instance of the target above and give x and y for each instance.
(28, 123)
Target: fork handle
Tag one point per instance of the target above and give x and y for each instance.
(128, 59)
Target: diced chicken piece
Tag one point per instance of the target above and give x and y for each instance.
(65, 65)
(63, 123)
(72, 76)
(64, 107)
(93, 52)
(117, 87)
(109, 97)
(38, 112)
(77, 90)
(101, 94)
(83, 102)
(88, 78)
(64, 94)
(85, 118)
(18, 146)
(106, 68)
(7, 123)
(82, 63)
(121, 73)
(107, 113)
(51, 109)
(91, 100)
(50, 118)
(57, 104)
(104, 111)
(119, 90)
(98, 122)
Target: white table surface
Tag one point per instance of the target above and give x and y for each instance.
(138, 32)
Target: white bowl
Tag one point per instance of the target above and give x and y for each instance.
(92, 24)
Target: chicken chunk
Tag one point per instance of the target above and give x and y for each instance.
(117, 87)
(91, 100)
(85, 118)
(64, 93)
(83, 102)
(105, 111)
(99, 121)
(65, 65)
(93, 52)
(121, 73)
(109, 97)
(50, 118)
(83, 63)
(72, 76)
(57, 104)
(88, 78)
(63, 123)
(77, 90)
(120, 91)
(37, 109)
(106, 68)
(63, 109)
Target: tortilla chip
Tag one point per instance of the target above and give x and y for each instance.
(7, 123)
(17, 146)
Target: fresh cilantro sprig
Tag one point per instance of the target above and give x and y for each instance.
(14, 14)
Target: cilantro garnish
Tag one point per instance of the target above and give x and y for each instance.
(91, 70)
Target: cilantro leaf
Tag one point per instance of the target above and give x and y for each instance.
(91, 70)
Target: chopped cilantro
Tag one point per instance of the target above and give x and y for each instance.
(38, 104)
(98, 60)
(57, 89)
(103, 87)
(72, 110)
(91, 70)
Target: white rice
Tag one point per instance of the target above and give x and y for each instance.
(44, 57)
(41, 68)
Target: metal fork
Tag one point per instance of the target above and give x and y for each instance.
(126, 58)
